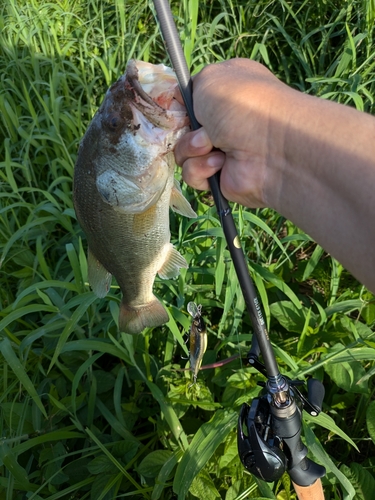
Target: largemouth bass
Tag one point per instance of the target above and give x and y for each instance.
(123, 187)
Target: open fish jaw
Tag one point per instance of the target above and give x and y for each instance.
(153, 87)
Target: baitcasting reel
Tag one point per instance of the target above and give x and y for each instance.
(269, 432)
(260, 450)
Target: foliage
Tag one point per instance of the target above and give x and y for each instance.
(89, 413)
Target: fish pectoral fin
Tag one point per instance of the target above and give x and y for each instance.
(123, 193)
(99, 278)
(172, 264)
(179, 203)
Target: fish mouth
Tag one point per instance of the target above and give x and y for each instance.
(153, 88)
(132, 78)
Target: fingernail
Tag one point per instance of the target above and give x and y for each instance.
(215, 161)
(200, 139)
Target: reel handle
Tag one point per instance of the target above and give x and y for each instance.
(315, 394)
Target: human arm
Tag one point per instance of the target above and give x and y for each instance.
(311, 160)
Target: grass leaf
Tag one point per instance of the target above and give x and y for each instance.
(15, 364)
(200, 450)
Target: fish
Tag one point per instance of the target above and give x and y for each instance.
(123, 186)
(198, 339)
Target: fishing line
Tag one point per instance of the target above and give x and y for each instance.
(197, 334)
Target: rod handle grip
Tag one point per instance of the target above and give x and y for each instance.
(312, 492)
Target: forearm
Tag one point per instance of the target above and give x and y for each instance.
(325, 182)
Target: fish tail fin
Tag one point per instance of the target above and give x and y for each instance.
(135, 319)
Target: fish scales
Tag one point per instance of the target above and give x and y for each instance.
(123, 188)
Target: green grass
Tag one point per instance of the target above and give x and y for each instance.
(88, 413)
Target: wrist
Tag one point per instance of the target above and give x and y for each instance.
(282, 137)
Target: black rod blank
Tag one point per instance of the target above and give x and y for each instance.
(176, 55)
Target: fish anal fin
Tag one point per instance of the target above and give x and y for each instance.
(135, 319)
(172, 263)
(99, 278)
(179, 203)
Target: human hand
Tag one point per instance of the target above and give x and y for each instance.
(283, 149)
(243, 110)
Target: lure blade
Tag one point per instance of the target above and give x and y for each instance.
(194, 310)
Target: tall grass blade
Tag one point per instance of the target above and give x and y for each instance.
(18, 369)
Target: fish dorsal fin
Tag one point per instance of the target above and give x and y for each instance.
(172, 263)
(179, 203)
(99, 278)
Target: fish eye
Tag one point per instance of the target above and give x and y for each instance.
(114, 120)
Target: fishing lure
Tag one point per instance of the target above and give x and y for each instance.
(198, 338)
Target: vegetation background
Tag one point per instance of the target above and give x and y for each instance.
(89, 413)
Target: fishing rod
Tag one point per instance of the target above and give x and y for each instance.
(269, 430)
